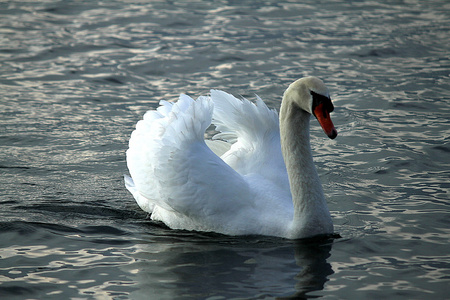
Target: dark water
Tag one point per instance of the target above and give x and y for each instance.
(75, 76)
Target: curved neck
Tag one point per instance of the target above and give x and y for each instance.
(310, 207)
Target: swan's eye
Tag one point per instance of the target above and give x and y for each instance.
(321, 99)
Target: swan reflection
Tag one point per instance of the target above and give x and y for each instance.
(206, 265)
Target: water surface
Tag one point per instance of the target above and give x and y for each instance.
(75, 76)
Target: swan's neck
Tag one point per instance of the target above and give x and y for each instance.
(310, 208)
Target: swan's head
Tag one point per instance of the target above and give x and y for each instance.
(311, 95)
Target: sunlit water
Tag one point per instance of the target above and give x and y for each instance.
(75, 76)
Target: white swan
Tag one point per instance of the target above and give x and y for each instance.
(250, 189)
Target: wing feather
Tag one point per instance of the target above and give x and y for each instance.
(253, 129)
(175, 172)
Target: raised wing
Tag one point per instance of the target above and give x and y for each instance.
(173, 169)
(254, 131)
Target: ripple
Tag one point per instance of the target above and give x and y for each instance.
(75, 77)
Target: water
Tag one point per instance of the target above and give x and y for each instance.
(75, 76)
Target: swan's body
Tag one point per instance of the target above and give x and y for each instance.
(257, 186)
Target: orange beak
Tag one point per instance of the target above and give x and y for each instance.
(323, 116)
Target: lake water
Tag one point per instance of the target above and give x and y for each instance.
(75, 77)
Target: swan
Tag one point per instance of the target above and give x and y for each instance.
(256, 176)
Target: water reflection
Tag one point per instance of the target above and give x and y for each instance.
(205, 266)
(312, 258)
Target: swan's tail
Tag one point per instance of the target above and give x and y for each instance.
(143, 202)
(129, 184)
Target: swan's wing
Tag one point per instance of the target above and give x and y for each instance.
(173, 169)
(254, 131)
